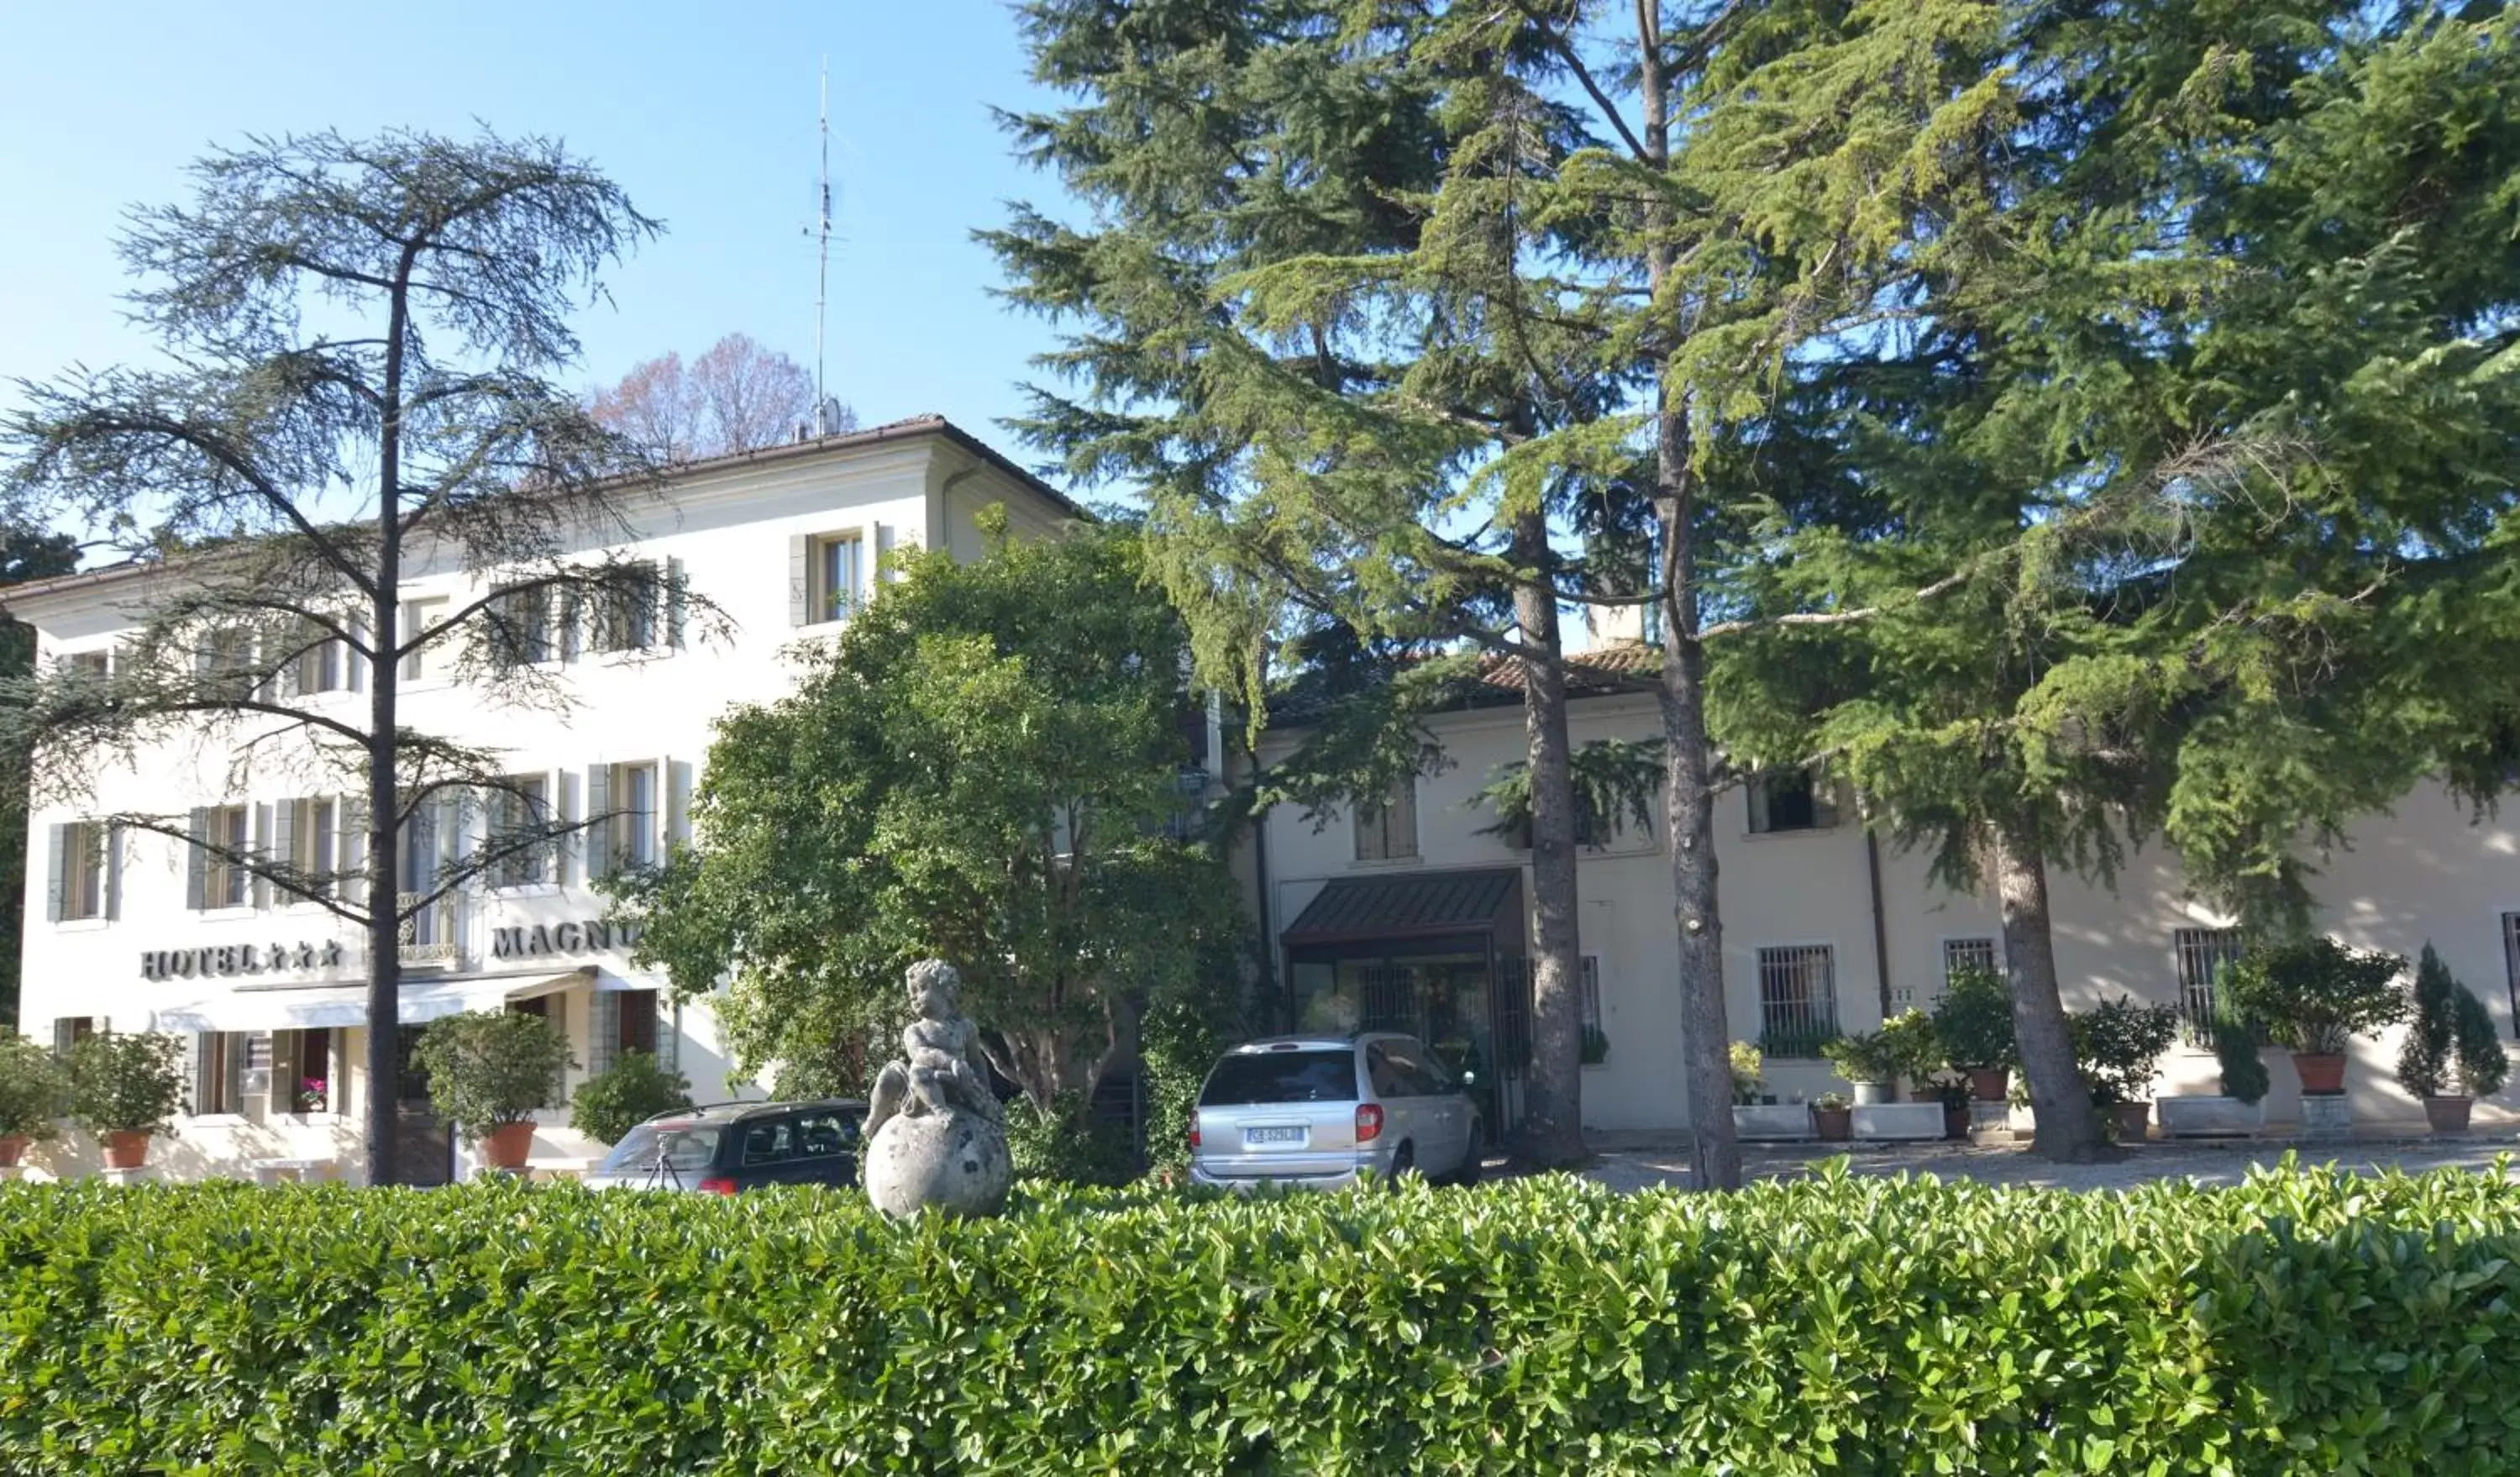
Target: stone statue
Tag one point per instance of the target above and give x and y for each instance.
(935, 1135)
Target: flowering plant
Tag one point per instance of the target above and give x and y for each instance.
(311, 1094)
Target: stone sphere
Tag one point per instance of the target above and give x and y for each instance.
(954, 1161)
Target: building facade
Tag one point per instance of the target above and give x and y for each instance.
(1413, 915)
(132, 930)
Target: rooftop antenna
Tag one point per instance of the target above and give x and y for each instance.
(822, 268)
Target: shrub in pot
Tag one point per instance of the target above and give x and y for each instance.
(2452, 1052)
(2235, 1053)
(633, 1090)
(488, 1070)
(1870, 1060)
(2311, 996)
(1834, 1117)
(34, 1090)
(1747, 1068)
(1974, 1023)
(126, 1087)
(2117, 1046)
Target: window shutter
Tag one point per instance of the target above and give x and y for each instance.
(669, 1037)
(354, 667)
(196, 860)
(260, 848)
(1757, 790)
(1400, 821)
(351, 830)
(598, 815)
(878, 543)
(677, 603)
(603, 1031)
(197, 1096)
(65, 1034)
(673, 807)
(113, 871)
(54, 896)
(284, 841)
(800, 580)
(566, 813)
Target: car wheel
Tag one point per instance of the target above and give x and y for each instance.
(1403, 1163)
(1471, 1164)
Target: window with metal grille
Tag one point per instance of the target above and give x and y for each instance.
(1797, 999)
(1968, 955)
(2203, 955)
(1790, 800)
(1591, 989)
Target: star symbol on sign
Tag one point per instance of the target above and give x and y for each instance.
(306, 957)
(332, 953)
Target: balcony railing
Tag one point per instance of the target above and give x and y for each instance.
(429, 936)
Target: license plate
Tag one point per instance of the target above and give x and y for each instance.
(1265, 1137)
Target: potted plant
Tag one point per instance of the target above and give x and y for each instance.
(2117, 1045)
(2236, 1108)
(2311, 996)
(1596, 1048)
(488, 1070)
(2451, 1044)
(1871, 1062)
(623, 1095)
(1748, 1069)
(1756, 1114)
(1974, 1023)
(313, 1092)
(1832, 1117)
(32, 1087)
(124, 1088)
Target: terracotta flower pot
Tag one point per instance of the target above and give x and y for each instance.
(1834, 1125)
(13, 1147)
(2321, 1072)
(2447, 1115)
(507, 1145)
(2132, 1120)
(1989, 1084)
(126, 1149)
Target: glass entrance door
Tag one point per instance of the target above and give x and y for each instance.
(423, 1145)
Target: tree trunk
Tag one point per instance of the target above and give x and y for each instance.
(1706, 1036)
(384, 883)
(2068, 1129)
(1553, 1121)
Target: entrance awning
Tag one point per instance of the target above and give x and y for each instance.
(1409, 905)
(328, 1006)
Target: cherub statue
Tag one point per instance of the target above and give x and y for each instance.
(941, 1068)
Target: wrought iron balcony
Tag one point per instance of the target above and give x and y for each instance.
(429, 936)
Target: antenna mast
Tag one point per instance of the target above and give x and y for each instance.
(822, 268)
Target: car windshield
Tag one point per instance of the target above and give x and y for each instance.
(1327, 1076)
(678, 1146)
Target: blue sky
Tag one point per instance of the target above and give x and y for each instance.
(705, 114)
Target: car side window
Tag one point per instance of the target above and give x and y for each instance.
(769, 1143)
(1385, 1071)
(1428, 1069)
(821, 1136)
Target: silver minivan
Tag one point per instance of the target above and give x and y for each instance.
(1319, 1110)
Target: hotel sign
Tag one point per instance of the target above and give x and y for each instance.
(230, 959)
(545, 940)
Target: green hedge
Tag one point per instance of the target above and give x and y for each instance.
(2303, 1323)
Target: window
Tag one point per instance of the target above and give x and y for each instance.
(2202, 955)
(771, 1143)
(431, 660)
(1790, 800)
(634, 799)
(307, 840)
(1968, 955)
(219, 877)
(1276, 1077)
(82, 871)
(1388, 832)
(624, 1021)
(825, 1135)
(550, 1008)
(311, 660)
(69, 1030)
(837, 572)
(218, 1072)
(626, 610)
(1797, 1000)
(225, 659)
(1588, 986)
(97, 665)
(520, 811)
(520, 618)
(303, 1079)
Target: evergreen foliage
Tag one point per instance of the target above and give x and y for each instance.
(2451, 1042)
(2236, 1052)
(25, 555)
(1974, 1021)
(489, 1068)
(2312, 995)
(986, 767)
(633, 1090)
(2117, 1046)
(129, 1082)
(34, 1089)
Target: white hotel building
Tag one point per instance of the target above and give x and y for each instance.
(134, 931)
(1411, 919)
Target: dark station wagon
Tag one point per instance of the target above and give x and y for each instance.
(726, 1147)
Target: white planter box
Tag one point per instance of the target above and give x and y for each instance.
(1772, 1120)
(2202, 1117)
(1898, 1120)
(2326, 1115)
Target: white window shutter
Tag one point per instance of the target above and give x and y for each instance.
(258, 886)
(284, 839)
(196, 860)
(565, 811)
(113, 871)
(878, 543)
(673, 807)
(351, 833)
(598, 815)
(57, 880)
(677, 591)
(800, 580)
